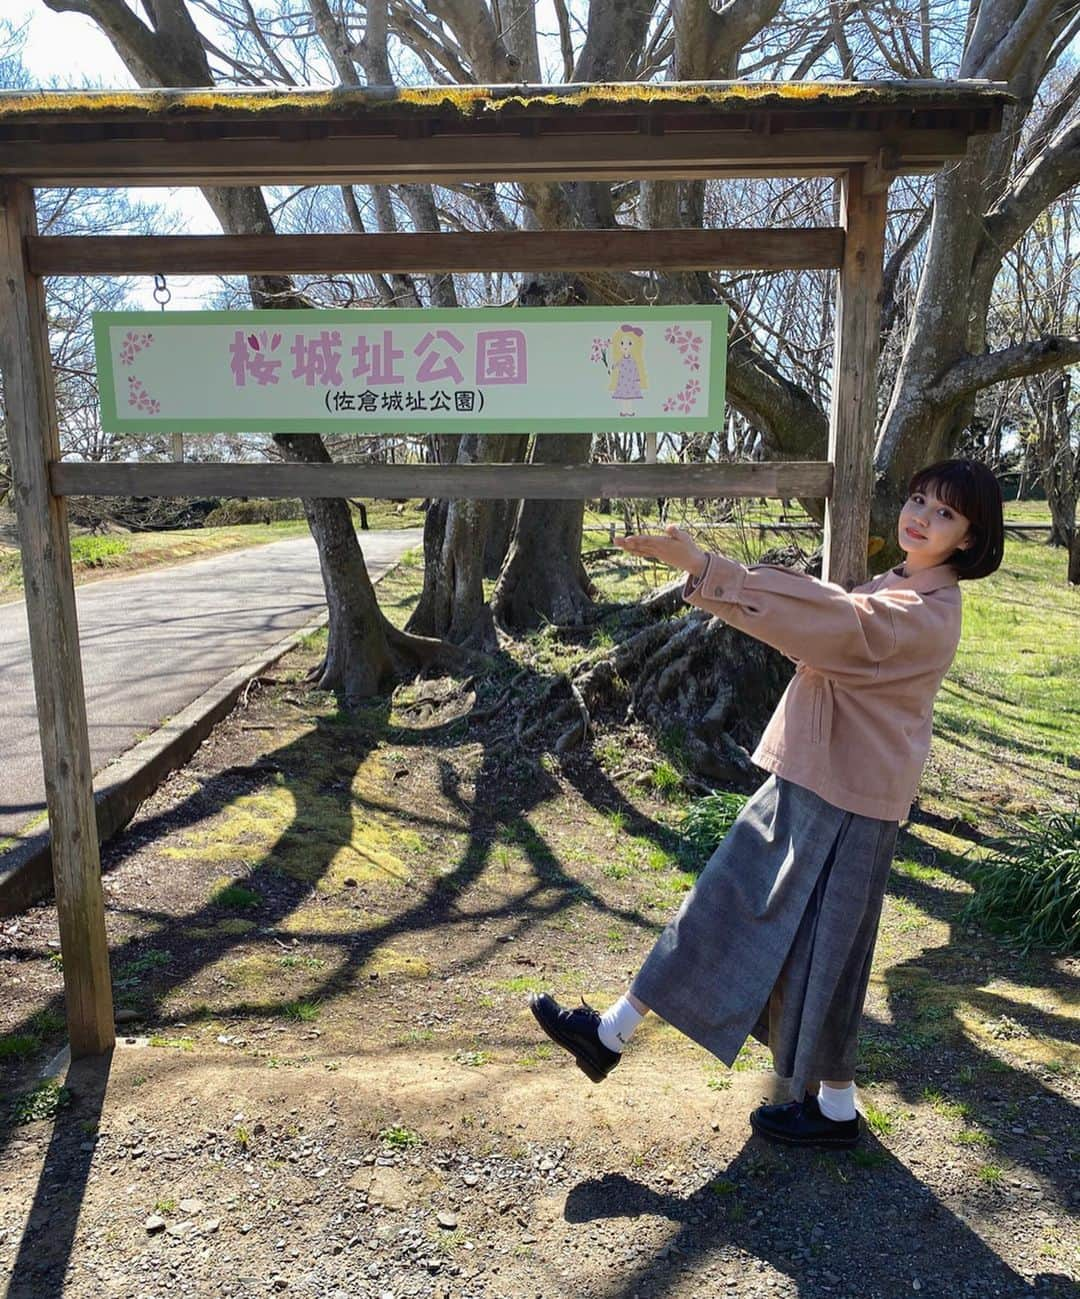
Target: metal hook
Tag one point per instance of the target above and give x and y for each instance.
(652, 293)
(162, 295)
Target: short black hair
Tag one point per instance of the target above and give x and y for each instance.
(972, 490)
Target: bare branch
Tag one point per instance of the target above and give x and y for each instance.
(894, 266)
(151, 60)
(974, 372)
(998, 44)
(614, 40)
(474, 28)
(335, 41)
(566, 45)
(708, 42)
(413, 28)
(1044, 179)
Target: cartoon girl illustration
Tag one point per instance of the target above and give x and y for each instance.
(628, 378)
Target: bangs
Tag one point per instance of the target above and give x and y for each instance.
(951, 483)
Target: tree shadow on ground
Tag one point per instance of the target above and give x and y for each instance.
(433, 905)
(925, 1045)
(791, 1210)
(433, 901)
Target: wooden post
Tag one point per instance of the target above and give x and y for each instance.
(33, 441)
(853, 416)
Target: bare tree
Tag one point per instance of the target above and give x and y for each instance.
(366, 654)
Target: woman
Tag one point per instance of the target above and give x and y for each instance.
(777, 936)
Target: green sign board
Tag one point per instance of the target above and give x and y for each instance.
(496, 370)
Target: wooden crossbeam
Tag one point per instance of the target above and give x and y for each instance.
(489, 250)
(452, 159)
(774, 479)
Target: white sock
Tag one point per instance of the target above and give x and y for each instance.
(617, 1024)
(837, 1102)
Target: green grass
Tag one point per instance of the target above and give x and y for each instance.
(708, 819)
(135, 971)
(879, 1121)
(93, 556)
(947, 1108)
(868, 1158)
(43, 1101)
(235, 897)
(1007, 720)
(301, 1012)
(16, 1046)
(973, 1137)
(519, 984)
(400, 1138)
(94, 552)
(475, 1059)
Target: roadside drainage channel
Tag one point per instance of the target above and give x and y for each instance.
(119, 788)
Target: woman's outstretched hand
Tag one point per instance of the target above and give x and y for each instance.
(673, 547)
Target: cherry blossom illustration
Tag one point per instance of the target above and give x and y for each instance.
(135, 341)
(686, 398)
(687, 343)
(140, 398)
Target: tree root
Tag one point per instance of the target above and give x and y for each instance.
(692, 678)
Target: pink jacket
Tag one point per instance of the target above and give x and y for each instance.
(853, 725)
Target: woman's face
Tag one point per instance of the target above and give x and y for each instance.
(626, 345)
(929, 530)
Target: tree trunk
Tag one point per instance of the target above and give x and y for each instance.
(424, 619)
(455, 607)
(543, 579)
(1057, 462)
(949, 317)
(504, 513)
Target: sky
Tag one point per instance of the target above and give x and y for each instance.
(70, 50)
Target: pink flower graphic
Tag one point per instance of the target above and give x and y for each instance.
(140, 398)
(687, 343)
(686, 398)
(134, 342)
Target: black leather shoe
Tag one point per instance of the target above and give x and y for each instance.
(801, 1123)
(575, 1031)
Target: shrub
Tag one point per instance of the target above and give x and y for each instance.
(253, 510)
(1029, 885)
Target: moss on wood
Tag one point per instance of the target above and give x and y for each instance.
(474, 100)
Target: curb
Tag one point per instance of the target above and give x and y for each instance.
(119, 788)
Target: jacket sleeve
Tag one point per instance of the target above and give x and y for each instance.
(813, 622)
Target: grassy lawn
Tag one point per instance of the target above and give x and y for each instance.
(1007, 720)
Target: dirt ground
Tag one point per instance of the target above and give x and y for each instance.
(324, 931)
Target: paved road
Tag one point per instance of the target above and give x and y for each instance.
(153, 642)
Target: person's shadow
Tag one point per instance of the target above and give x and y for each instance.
(853, 1224)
